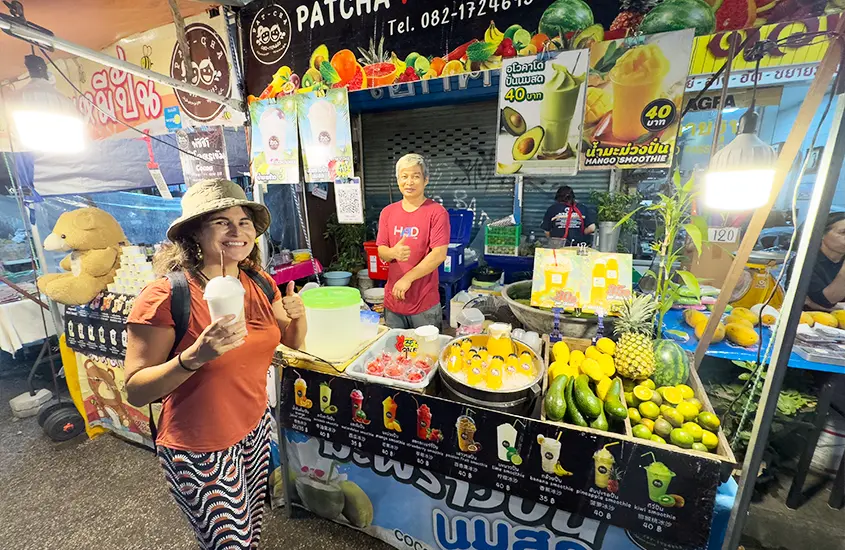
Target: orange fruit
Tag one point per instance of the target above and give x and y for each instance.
(452, 68)
(539, 40)
(345, 64)
(437, 65)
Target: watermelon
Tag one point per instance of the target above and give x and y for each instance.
(671, 364)
(564, 16)
(675, 15)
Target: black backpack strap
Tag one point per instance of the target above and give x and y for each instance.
(180, 310)
(268, 288)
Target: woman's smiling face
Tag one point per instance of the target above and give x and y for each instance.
(231, 231)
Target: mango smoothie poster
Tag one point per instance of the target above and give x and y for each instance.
(275, 143)
(541, 103)
(634, 101)
(325, 135)
(581, 280)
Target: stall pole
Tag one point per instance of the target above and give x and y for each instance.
(726, 80)
(258, 190)
(518, 189)
(39, 37)
(805, 260)
(791, 149)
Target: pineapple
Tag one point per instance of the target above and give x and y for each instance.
(631, 14)
(634, 355)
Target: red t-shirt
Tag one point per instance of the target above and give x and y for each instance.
(226, 398)
(426, 227)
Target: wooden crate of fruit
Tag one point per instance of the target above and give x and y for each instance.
(622, 425)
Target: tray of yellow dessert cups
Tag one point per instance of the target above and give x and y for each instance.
(507, 380)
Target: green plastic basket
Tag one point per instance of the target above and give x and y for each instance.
(502, 241)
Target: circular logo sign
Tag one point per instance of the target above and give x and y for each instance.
(210, 71)
(269, 34)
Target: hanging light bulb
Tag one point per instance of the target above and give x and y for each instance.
(43, 118)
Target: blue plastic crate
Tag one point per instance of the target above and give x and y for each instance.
(460, 224)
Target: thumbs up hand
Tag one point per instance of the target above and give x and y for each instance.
(401, 252)
(292, 303)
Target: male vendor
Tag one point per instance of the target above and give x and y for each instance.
(413, 237)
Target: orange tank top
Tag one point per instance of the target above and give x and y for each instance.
(224, 401)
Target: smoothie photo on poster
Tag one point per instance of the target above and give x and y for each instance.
(634, 101)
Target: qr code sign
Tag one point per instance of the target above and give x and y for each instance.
(350, 206)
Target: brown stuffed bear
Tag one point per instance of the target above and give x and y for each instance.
(93, 238)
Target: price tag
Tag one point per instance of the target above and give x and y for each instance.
(658, 115)
(725, 235)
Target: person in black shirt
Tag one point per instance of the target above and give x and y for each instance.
(827, 283)
(567, 219)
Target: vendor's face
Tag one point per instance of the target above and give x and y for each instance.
(232, 231)
(834, 239)
(411, 182)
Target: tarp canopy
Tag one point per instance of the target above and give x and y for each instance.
(117, 165)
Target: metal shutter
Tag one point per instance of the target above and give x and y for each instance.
(460, 142)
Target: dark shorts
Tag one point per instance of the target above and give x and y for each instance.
(433, 316)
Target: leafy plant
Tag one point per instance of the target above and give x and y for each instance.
(741, 398)
(348, 240)
(612, 207)
(674, 211)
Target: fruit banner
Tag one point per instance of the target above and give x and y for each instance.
(541, 106)
(275, 143)
(208, 159)
(635, 485)
(634, 101)
(325, 134)
(581, 278)
(147, 105)
(370, 43)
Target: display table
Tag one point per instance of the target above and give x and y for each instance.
(293, 272)
(832, 377)
(21, 325)
(510, 265)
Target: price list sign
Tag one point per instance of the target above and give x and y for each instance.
(634, 485)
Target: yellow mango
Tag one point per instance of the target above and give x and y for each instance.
(741, 335)
(693, 317)
(840, 317)
(824, 318)
(733, 320)
(745, 313)
(718, 336)
(593, 353)
(807, 319)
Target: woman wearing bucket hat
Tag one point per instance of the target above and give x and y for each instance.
(213, 440)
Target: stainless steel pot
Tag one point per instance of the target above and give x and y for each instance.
(514, 401)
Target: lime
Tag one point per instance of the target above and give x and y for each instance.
(673, 395)
(662, 427)
(628, 384)
(641, 432)
(634, 415)
(674, 418)
(694, 430)
(522, 37)
(656, 398)
(516, 460)
(709, 421)
(681, 438)
(649, 410)
(643, 393)
(630, 399)
(664, 408)
(709, 440)
(688, 411)
(657, 439)
(649, 383)
(700, 447)
(648, 423)
(686, 391)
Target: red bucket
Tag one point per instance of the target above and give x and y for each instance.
(376, 268)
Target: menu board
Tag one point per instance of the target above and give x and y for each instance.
(639, 486)
(541, 105)
(581, 279)
(99, 327)
(207, 158)
(634, 101)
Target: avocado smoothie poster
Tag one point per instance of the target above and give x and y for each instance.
(541, 106)
(634, 101)
(275, 143)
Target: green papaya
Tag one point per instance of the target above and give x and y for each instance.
(600, 423)
(555, 400)
(575, 415)
(587, 402)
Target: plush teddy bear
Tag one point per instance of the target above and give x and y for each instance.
(93, 238)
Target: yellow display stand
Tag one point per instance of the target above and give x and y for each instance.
(72, 378)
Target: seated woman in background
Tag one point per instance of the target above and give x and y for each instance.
(827, 283)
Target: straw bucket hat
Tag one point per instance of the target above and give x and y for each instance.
(209, 196)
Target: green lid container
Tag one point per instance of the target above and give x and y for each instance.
(331, 297)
